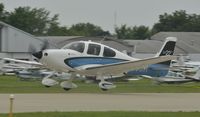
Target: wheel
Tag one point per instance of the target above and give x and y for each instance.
(47, 86)
(104, 89)
(66, 89)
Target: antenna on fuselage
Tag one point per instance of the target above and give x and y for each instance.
(104, 38)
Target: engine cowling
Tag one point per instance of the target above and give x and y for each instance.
(67, 85)
(49, 82)
(106, 85)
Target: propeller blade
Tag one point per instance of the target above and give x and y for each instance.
(32, 48)
(45, 45)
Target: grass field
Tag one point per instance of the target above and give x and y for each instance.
(106, 114)
(11, 84)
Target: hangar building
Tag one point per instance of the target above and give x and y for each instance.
(15, 43)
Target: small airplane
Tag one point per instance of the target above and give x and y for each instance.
(32, 74)
(8, 68)
(88, 58)
(193, 63)
(187, 67)
(175, 78)
(39, 74)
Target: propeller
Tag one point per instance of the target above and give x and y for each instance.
(45, 45)
(32, 48)
(38, 54)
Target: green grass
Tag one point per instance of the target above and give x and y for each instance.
(11, 84)
(106, 114)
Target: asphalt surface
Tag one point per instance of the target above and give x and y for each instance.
(102, 102)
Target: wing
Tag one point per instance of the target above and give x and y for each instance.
(22, 61)
(117, 68)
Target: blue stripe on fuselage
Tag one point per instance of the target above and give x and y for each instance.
(80, 61)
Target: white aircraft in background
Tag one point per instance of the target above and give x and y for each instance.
(10, 68)
(187, 67)
(88, 58)
(183, 62)
(32, 74)
(175, 78)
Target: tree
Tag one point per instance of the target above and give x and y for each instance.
(38, 22)
(35, 21)
(178, 21)
(122, 32)
(87, 29)
(1, 9)
(56, 30)
(136, 32)
(3, 13)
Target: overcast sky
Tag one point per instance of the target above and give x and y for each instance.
(102, 12)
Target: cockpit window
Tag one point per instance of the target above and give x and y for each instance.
(108, 52)
(76, 46)
(94, 49)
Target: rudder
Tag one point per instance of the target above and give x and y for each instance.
(168, 47)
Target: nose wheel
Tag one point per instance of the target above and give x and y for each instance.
(47, 86)
(104, 89)
(67, 89)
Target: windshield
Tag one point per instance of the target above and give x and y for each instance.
(77, 46)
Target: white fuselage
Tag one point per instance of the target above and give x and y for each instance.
(55, 58)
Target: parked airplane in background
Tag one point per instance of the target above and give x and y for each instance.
(175, 78)
(39, 74)
(88, 58)
(187, 67)
(32, 74)
(10, 68)
(182, 62)
(193, 63)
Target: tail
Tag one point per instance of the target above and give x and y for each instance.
(167, 49)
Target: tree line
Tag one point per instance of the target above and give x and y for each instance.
(37, 21)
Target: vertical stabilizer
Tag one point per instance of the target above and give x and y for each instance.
(168, 47)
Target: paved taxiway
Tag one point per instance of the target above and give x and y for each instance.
(102, 102)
